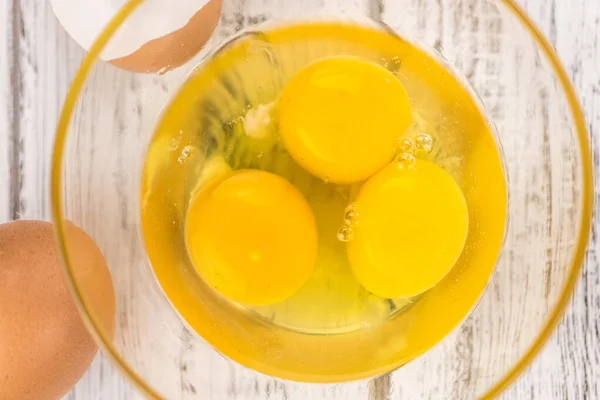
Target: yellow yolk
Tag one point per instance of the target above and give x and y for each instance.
(412, 227)
(340, 117)
(252, 237)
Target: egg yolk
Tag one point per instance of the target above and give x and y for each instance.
(411, 229)
(340, 117)
(252, 237)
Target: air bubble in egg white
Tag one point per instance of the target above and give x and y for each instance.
(423, 142)
(351, 215)
(406, 161)
(345, 234)
(406, 145)
(186, 153)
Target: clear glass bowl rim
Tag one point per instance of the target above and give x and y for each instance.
(105, 343)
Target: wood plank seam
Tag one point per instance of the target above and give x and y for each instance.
(15, 33)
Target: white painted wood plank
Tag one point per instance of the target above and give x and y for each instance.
(569, 366)
(47, 61)
(5, 97)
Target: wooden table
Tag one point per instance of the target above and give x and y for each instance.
(38, 61)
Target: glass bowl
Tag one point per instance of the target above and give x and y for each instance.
(109, 117)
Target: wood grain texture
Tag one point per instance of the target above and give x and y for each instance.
(38, 60)
(37, 63)
(5, 113)
(569, 366)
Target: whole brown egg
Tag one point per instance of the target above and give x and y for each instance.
(44, 346)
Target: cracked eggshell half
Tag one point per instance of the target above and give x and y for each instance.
(159, 36)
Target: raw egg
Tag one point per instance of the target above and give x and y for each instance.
(410, 229)
(252, 237)
(340, 117)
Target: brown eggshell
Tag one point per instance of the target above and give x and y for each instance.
(44, 346)
(175, 49)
